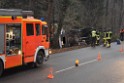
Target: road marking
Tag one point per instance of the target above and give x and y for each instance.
(81, 64)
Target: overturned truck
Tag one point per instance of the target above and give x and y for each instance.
(79, 36)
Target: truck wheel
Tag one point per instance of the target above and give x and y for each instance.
(39, 59)
(1, 68)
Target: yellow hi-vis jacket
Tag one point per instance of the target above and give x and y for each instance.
(104, 35)
(108, 35)
(97, 37)
(93, 33)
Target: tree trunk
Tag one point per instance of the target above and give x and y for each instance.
(121, 14)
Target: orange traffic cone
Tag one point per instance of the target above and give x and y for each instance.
(99, 56)
(76, 62)
(50, 75)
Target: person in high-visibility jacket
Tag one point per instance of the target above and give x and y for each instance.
(108, 37)
(97, 38)
(93, 38)
(104, 38)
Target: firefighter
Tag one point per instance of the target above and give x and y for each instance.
(97, 38)
(93, 37)
(108, 37)
(121, 34)
(104, 38)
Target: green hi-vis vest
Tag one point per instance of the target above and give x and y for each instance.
(93, 33)
(97, 37)
(108, 35)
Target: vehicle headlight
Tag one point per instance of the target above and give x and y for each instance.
(19, 52)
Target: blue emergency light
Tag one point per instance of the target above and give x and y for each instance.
(42, 19)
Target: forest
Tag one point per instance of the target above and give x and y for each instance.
(71, 14)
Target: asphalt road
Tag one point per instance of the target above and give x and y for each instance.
(110, 69)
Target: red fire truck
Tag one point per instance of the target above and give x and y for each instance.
(22, 39)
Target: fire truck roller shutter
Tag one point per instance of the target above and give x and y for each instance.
(2, 40)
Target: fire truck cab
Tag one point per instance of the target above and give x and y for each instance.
(22, 40)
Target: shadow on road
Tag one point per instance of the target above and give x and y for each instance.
(23, 69)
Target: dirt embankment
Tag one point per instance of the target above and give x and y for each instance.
(65, 49)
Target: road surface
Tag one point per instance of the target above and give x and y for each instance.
(110, 69)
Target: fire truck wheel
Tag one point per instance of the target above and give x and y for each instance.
(1, 68)
(39, 59)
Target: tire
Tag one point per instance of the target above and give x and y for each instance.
(1, 68)
(39, 59)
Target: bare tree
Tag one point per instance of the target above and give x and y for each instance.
(61, 7)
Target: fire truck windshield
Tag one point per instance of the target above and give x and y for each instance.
(2, 42)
